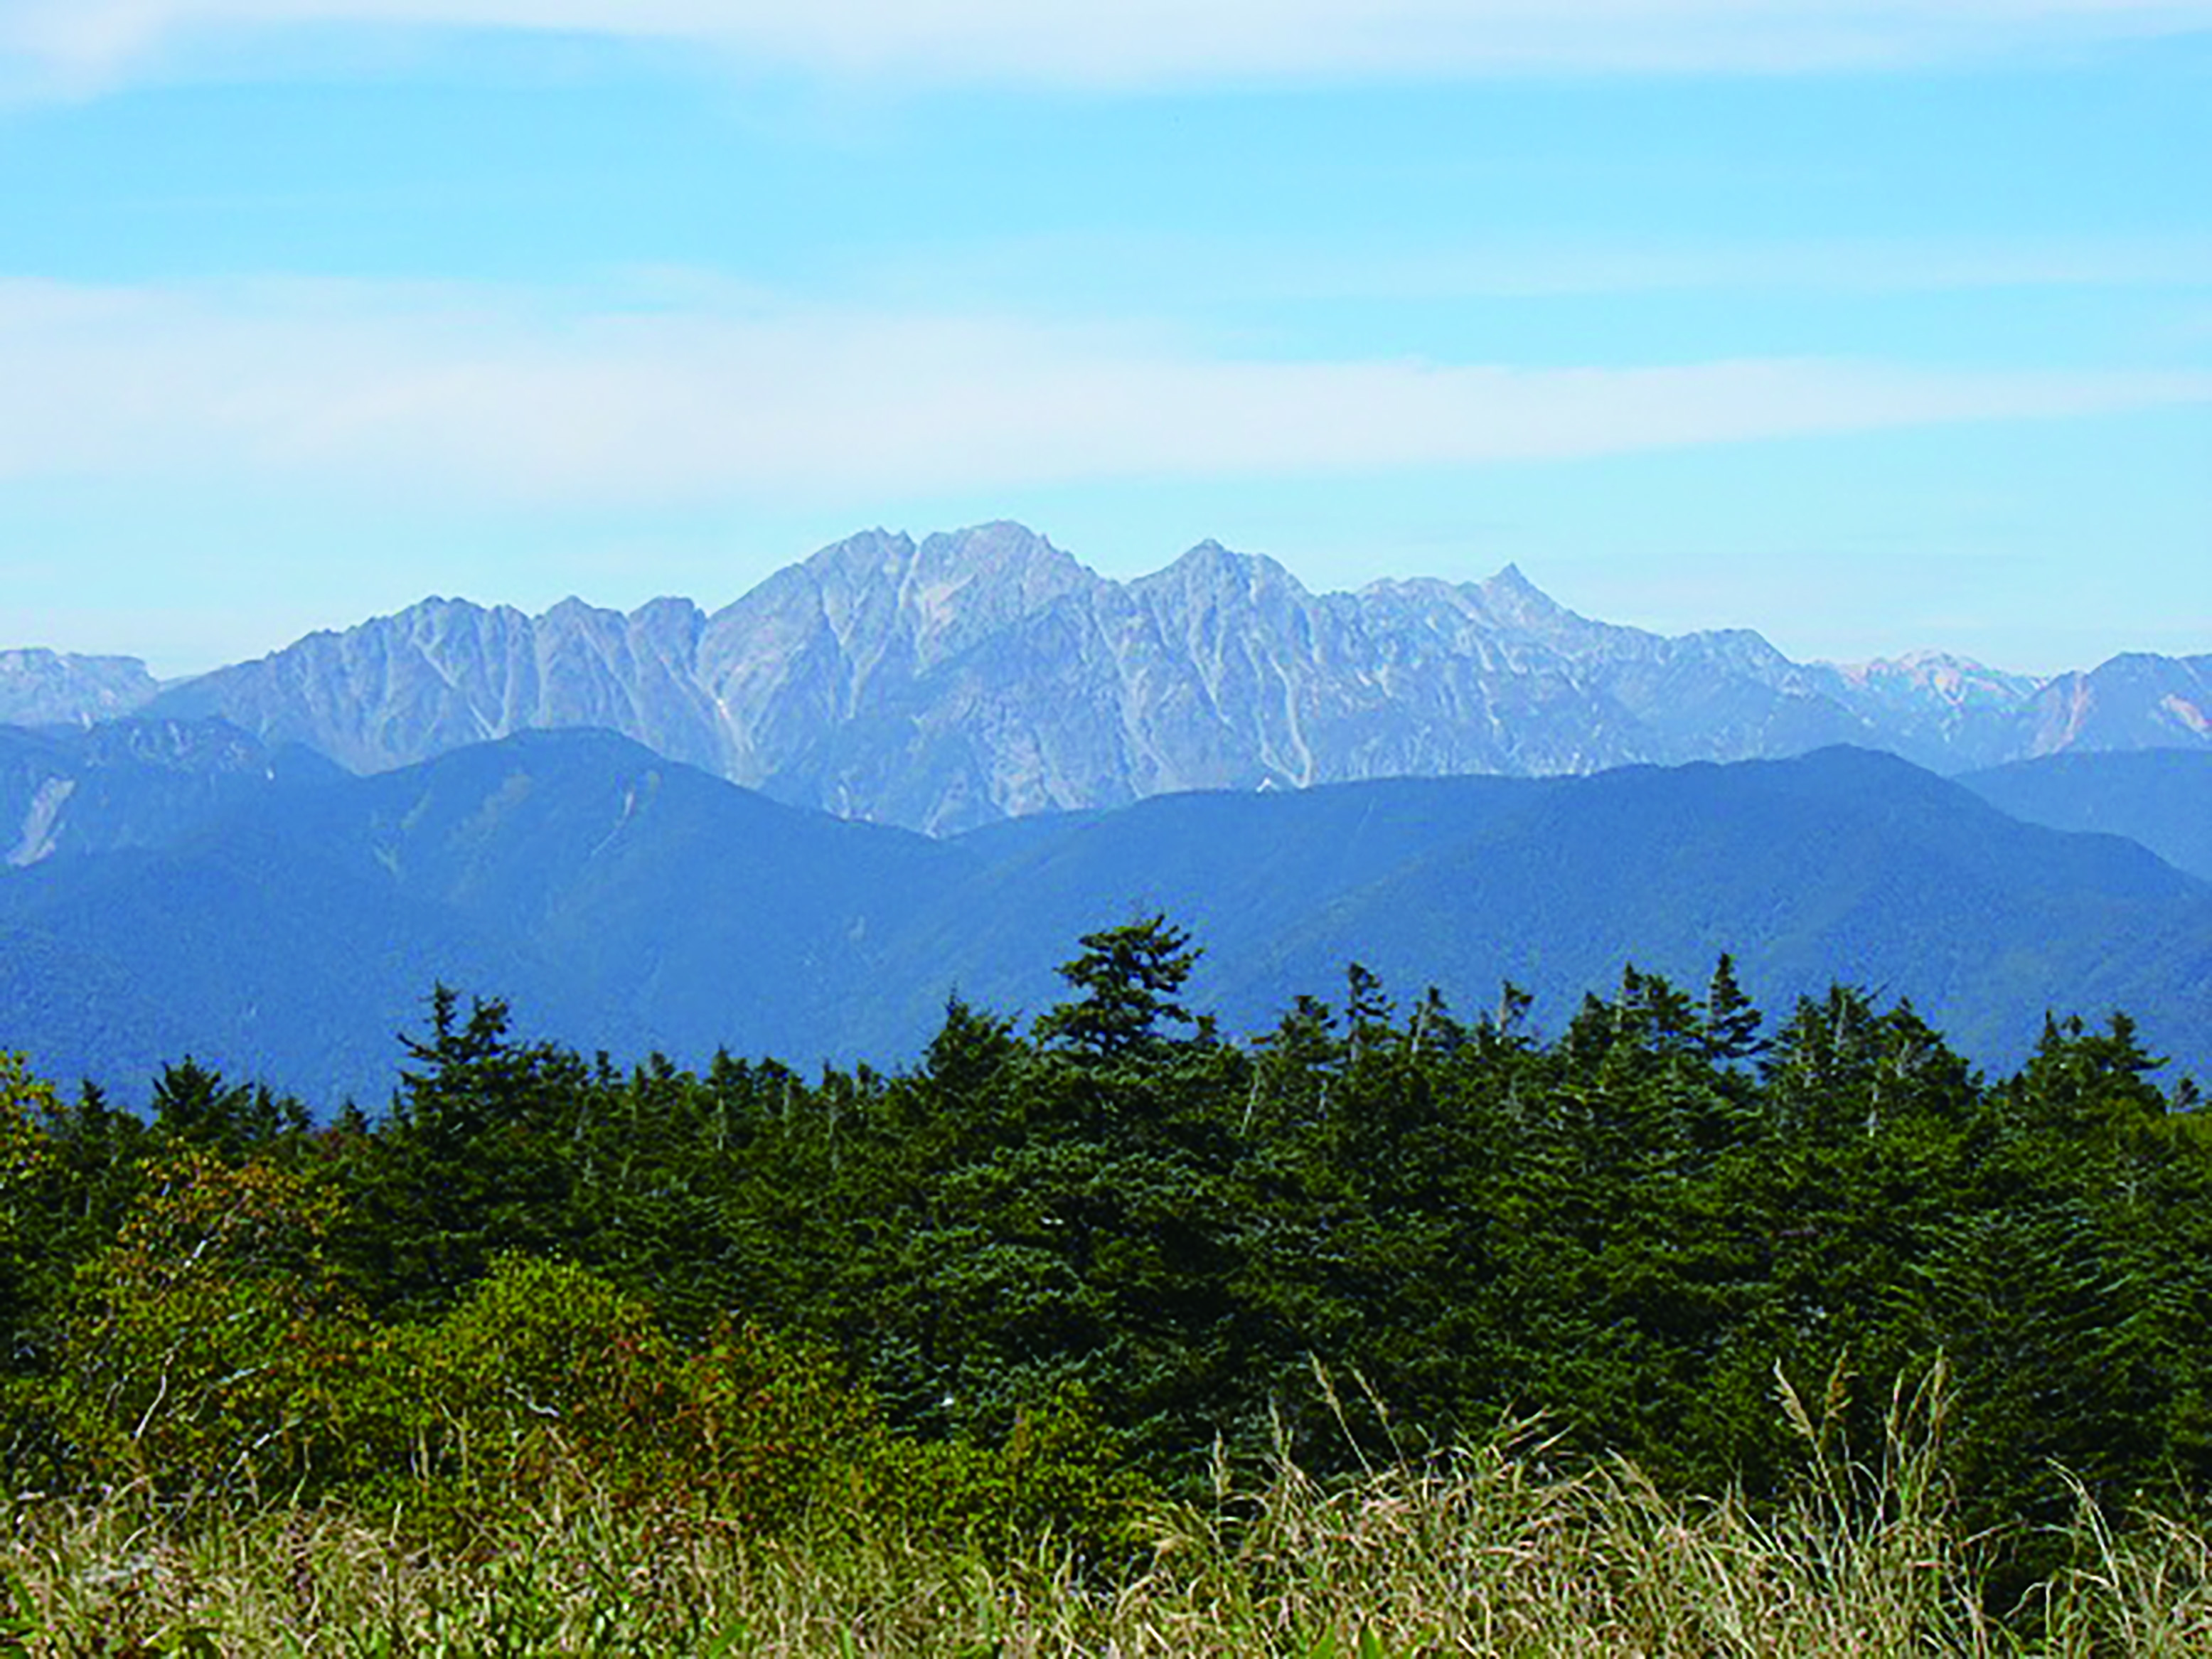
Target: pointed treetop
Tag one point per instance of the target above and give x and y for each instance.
(1129, 977)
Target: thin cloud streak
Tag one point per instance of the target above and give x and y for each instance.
(478, 395)
(1198, 268)
(1136, 43)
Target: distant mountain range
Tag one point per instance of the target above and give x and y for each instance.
(269, 866)
(38, 687)
(968, 678)
(197, 889)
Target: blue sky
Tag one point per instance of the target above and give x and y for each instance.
(1871, 324)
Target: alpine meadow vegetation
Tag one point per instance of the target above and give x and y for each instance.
(1390, 1329)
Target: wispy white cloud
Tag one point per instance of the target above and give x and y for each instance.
(1813, 265)
(1143, 42)
(1087, 269)
(475, 394)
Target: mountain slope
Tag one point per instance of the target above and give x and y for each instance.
(38, 687)
(134, 782)
(2136, 701)
(625, 902)
(446, 673)
(615, 897)
(702, 912)
(973, 676)
(1843, 863)
(254, 954)
(2161, 797)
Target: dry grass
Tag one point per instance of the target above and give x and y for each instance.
(1490, 1552)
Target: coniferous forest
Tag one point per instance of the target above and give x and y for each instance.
(1060, 1278)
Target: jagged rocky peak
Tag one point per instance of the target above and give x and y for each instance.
(1506, 611)
(1925, 667)
(1736, 639)
(574, 609)
(571, 625)
(1508, 598)
(943, 682)
(1510, 587)
(1001, 549)
(1745, 649)
(1002, 566)
(438, 617)
(880, 576)
(2133, 700)
(669, 613)
(1933, 678)
(671, 628)
(1511, 603)
(869, 557)
(433, 627)
(1213, 572)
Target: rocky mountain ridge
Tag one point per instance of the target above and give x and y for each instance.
(39, 687)
(986, 673)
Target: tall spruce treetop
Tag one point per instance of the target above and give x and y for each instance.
(195, 1104)
(1129, 977)
(1731, 1021)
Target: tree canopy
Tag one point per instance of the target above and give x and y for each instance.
(1629, 1225)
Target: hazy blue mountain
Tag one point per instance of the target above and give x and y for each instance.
(624, 901)
(38, 687)
(617, 898)
(1843, 863)
(446, 673)
(948, 683)
(1945, 712)
(702, 912)
(249, 950)
(134, 782)
(2161, 797)
(2136, 701)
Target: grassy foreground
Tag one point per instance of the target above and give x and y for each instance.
(1490, 1551)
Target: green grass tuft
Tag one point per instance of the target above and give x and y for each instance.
(1491, 1550)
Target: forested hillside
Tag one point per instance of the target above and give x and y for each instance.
(2160, 798)
(1123, 1243)
(199, 893)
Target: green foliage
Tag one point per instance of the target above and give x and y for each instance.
(1017, 1288)
(193, 1106)
(546, 1377)
(1058, 1475)
(27, 1103)
(1129, 977)
(764, 1426)
(212, 1347)
(539, 1364)
(471, 1164)
(74, 1169)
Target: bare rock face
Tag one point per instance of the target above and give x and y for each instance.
(2133, 701)
(982, 674)
(445, 673)
(38, 687)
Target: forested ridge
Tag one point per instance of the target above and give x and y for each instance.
(1118, 1250)
(621, 902)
